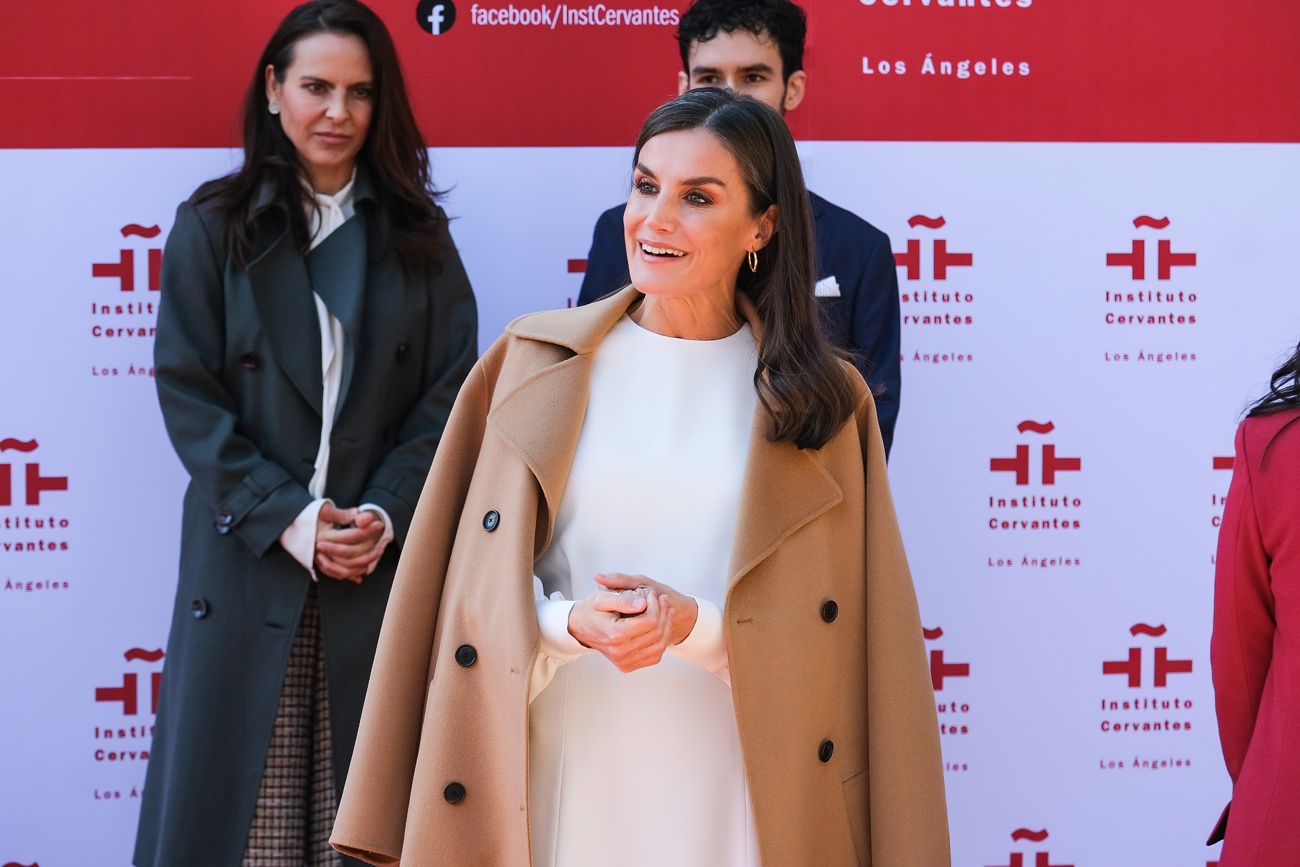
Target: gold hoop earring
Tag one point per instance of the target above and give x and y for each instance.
(752, 259)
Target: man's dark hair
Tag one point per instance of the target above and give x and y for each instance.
(781, 20)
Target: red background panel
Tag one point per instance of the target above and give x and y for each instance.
(98, 75)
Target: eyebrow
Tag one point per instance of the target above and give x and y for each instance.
(328, 83)
(713, 70)
(689, 182)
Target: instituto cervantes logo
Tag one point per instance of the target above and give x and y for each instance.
(24, 488)
(953, 710)
(1147, 706)
(134, 312)
(1035, 503)
(935, 306)
(1143, 305)
(128, 738)
(1034, 840)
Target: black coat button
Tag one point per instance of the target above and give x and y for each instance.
(830, 610)
(225, 517)
(403, 351)
(466, 655)
(826, 750)
(454, 793)
(249, 361)
(199, 608)
(491, 520)
(222, 529)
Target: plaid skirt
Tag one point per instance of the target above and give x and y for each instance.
(296, 801)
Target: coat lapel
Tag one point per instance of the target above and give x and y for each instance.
(281, 289)
(337, 270)
(541, 419)
(784, 489)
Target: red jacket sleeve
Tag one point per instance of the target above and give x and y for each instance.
(1242, 644)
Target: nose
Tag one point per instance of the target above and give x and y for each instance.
(662, 215)
(336, 109)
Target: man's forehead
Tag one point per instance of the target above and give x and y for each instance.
(738, 48)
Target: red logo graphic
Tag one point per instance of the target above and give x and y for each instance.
(124, 268)
(129, 692)
(1136, 258)
(939, 669)
(1224, 463)
(16, 864)
(1041, 859)
(36, 483)
(1132, 666)
(1051, 464)
(942, 259)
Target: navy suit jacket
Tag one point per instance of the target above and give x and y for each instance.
(862, 319)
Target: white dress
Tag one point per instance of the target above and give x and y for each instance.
(645, 769)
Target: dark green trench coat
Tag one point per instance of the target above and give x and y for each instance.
(237, 356)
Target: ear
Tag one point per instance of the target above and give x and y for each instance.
(794, 90)
(767, 226)
(683, 83)
(273, 87)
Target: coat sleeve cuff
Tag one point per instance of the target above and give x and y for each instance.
(706, 646)
(558, 646)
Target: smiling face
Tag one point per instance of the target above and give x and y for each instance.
(688, 223)
(745, 63)
(325, 101)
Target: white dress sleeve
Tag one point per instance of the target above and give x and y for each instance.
(558, 644)
(706, 646)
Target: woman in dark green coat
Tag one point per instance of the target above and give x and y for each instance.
(314, 329)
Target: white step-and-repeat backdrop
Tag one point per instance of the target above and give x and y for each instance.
(1094, 213)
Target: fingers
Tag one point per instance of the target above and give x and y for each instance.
(619, 581)
(332, 514)
(629, 604)
(358, 535)
(330, 568)
(638, 642)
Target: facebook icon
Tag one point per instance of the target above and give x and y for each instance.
(435, 17)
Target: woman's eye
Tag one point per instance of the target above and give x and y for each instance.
(316, 87)
(695, 197)
(363, 93)
(644, 187)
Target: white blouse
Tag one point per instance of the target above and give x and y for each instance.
(299, 539)
(645, 769)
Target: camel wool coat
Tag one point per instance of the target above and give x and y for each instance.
(832, 692)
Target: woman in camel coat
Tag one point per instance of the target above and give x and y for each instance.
(825, 662)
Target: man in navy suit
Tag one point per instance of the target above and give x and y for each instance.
(756, 47)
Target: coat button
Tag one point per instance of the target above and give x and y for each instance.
(403, 351)
(466, 655)
(830, 610)
(249, 361)
(454, 793)
(225, 517)
(826, 750)
(491, 520)
(199, 608)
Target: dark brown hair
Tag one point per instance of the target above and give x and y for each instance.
(1283, 394)
(394, 153)
(780, 20)
(800, 378)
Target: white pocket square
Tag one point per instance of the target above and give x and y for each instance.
(827, 287)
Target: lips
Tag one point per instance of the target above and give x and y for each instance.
(333, 138)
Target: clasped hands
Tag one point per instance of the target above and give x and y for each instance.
(348, 542)
(632, 620)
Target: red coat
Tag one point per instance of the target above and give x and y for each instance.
(1255, 651)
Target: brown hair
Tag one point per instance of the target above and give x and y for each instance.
(394, 153)
(800, 378)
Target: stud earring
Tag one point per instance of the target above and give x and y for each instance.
(273, 108)
(752, 259)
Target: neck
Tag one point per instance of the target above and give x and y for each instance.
(329, 181)
(694, 317)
